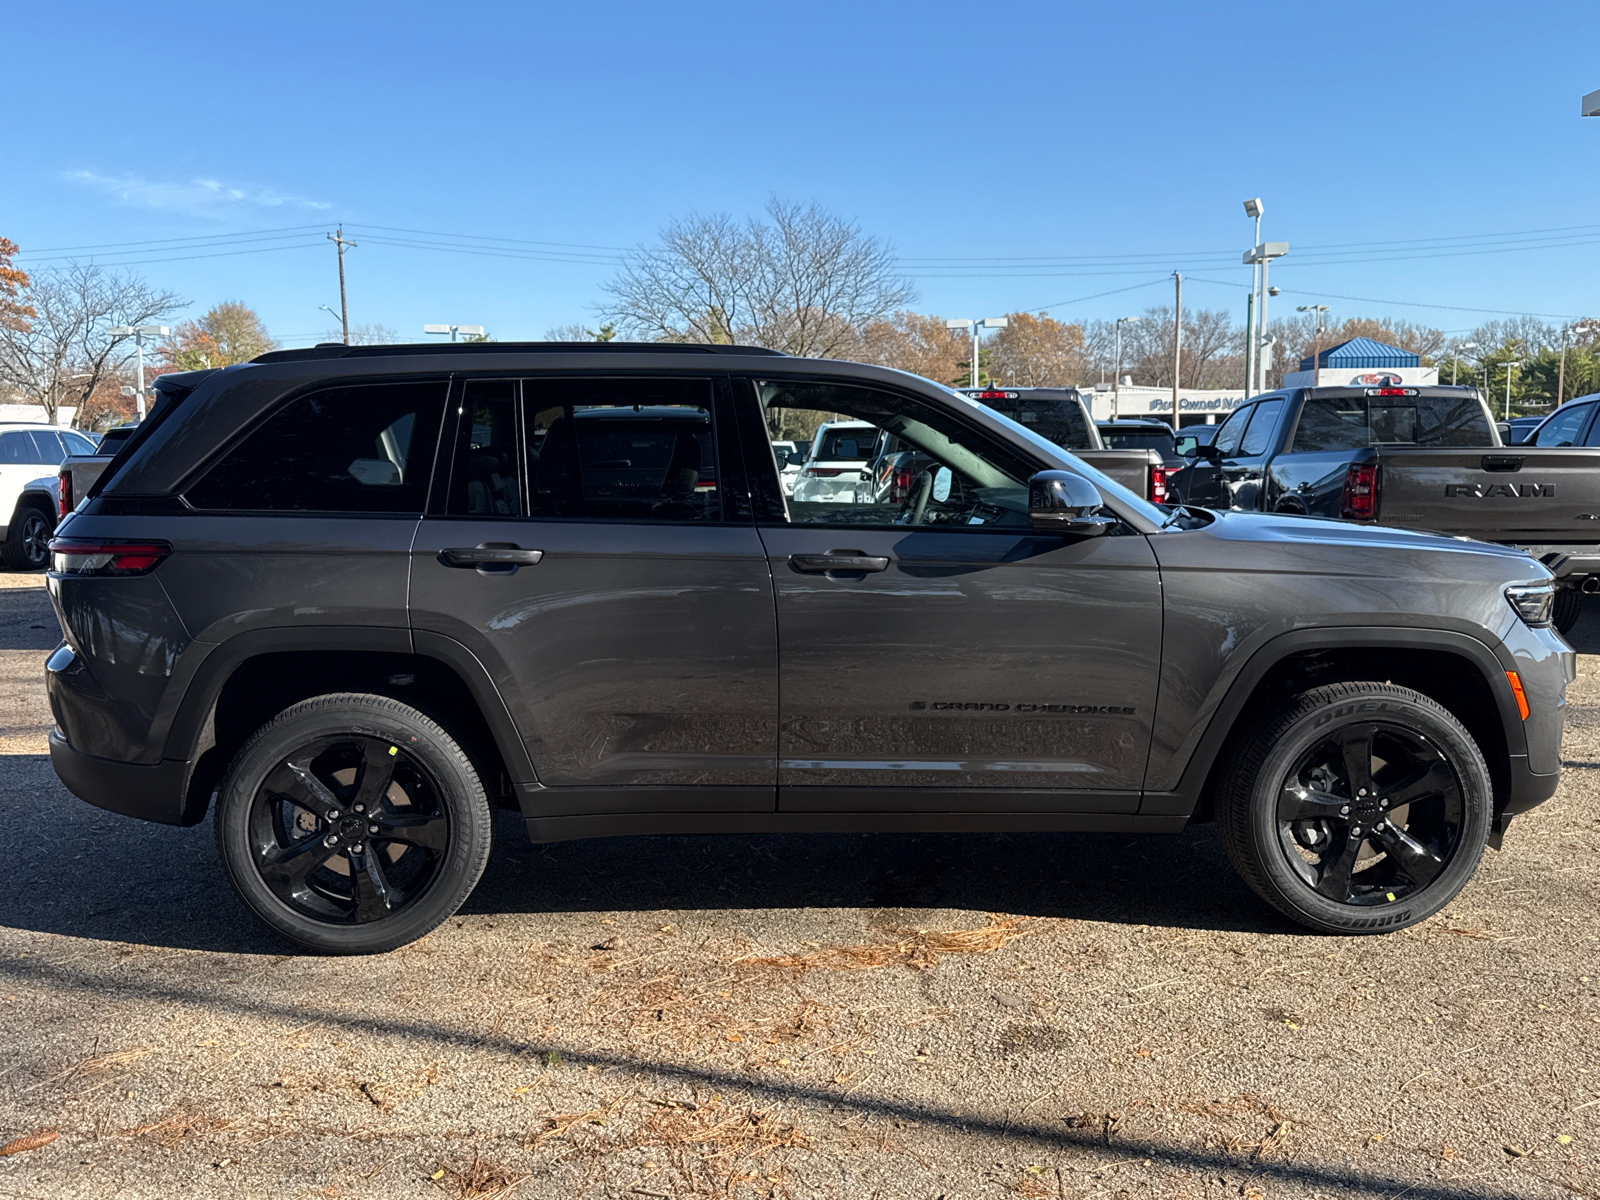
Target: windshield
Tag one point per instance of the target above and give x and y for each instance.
(1054, 452)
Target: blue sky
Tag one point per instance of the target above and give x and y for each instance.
(1018, 156)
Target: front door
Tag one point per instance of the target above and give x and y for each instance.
(590, 556)
(937, 654)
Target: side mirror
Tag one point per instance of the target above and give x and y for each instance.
(1208, 451)
(1503, 428)
(1061, 502)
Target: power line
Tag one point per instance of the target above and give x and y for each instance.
(1504, 312)
(220, 238)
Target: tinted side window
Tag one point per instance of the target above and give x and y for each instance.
(1332, 424)
(1227, 439)
(486, 478)
(1262, 426)
(15, 447)
(362, 448)
(1057, 420)
(621, 449)
(1564, 427)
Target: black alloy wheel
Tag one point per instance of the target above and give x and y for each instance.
(348, 829)
(27, 546)
(1357, 807)
(1370, 814)
(352, 824)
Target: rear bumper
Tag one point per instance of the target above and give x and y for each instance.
(151, 793)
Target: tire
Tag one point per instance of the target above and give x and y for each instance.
(1568, 608)
(26, 547)
(1282, 788)
(297, 812)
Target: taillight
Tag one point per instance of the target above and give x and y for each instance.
(900, 487)
(105, 556)
(1158, 484)
(824, 472)
(1360, 501)
(63, 494)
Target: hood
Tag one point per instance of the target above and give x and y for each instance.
(1302, 532)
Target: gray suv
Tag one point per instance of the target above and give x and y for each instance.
(351, 599)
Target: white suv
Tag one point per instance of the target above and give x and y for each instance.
(30, 457)
(838, 470)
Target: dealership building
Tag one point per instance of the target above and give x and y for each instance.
(1362, 362)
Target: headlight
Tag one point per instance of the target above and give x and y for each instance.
(1533, 602)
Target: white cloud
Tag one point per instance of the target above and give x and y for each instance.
(203, 197)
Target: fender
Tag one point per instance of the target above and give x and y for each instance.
(192, 720)
(1186, 795)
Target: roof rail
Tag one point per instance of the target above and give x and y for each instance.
(340, 350)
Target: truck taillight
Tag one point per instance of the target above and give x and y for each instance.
(63, 494)
(900, 486)
(1360, 501)
(105, 556)
(1158, 484)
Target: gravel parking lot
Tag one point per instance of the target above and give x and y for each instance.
(841, 1016)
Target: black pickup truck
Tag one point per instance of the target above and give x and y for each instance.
(1427, 458)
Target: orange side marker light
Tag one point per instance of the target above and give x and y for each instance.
(1515, 681)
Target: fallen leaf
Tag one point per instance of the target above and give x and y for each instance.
(36, 1140)
(736, 1037)
(1563, 1139)
(1514, 1151)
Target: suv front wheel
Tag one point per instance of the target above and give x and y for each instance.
(1360, 808)
(352, 824)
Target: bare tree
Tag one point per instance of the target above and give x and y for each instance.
(804, 281)
(580, 333)
(1209, 341)
(64, 352)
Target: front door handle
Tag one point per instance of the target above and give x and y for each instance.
(837, 560)
(496, 558)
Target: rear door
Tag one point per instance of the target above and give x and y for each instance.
(592, 547)
(937, 654)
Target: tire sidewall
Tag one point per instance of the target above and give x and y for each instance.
(460, 793)
(1384, 707)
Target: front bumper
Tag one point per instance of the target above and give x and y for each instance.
(151, 793)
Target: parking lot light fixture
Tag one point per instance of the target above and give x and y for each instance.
(453, 330)
(975, 326)
(1316, 311)
(1591, 105)
(138, 333)
(1455, 359)
(1116, 379)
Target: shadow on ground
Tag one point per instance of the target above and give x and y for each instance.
(82, 872)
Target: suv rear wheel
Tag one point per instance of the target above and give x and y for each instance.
(27, 544)
(352, 824)
(1362, 807)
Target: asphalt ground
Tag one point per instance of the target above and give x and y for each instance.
(824, 1016)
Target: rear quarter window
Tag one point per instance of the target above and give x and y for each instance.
(360, 448)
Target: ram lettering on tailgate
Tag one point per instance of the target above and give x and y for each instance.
(1486, 491)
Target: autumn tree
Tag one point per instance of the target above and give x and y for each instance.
(64, 352)
(1035, 350)
(229, 333)
(909, 341)
(803, 281)
(14, 312)
(581, 333)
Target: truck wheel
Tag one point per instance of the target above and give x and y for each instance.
(352, 824)
(1568, 608)
(27, 544)
(1360, 808)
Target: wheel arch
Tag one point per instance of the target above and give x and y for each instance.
(1459, 672)
(251, 678)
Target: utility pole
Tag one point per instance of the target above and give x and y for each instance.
(1177, 343)
(1250, 337)
(1561, 375)
(1116, 383)
(338, 239)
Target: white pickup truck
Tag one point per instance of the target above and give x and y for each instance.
(30, 459)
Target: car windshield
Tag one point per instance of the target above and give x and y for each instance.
(1054, 451)
(849, 444)
(1115, 439)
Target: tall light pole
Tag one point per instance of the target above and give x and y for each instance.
(1263, 253)
(1511, 364)
(1116, 380)
(1316, 311)
(1455, 359)
(452, 330)
(1177, 342)
(1253, 209)
(1561, 373)
(984, 323)
(138, 333)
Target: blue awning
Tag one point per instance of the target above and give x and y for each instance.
(1363, 352)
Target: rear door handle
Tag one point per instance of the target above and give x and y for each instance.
(837, 560)
(490, 556)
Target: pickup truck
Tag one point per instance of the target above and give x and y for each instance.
(1061, 416)
(1426, 458)
(79, 471)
